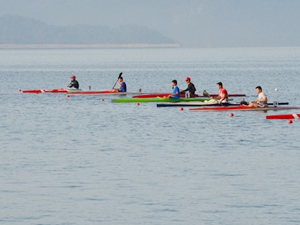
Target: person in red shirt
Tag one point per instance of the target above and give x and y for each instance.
(223, 95)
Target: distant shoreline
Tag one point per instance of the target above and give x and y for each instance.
(91, 46)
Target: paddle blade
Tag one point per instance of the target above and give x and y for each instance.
(205, 94)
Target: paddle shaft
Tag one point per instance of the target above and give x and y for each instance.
(117, 80)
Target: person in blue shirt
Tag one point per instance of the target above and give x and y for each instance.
(122, 85)
(176, 91)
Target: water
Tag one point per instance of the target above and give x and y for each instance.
(79, 160)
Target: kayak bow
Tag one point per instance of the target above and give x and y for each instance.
(37, 91)
(283, 116)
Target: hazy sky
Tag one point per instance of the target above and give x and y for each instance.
(201, 23)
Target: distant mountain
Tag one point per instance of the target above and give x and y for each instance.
(18, 30)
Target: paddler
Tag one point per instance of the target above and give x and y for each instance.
(122, 85)
(175, 90)
(74, 83)
(223, 95)
(261, 100)
(190, 88)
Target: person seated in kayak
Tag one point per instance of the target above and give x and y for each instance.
(190, 88)
(261, 100)
(74, 83)
(223, 95)
(122, 86)
(175, 92)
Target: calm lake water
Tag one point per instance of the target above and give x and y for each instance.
(79, 160)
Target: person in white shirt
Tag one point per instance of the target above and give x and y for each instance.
(261, 100)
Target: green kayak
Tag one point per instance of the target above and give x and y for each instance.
(158, 99)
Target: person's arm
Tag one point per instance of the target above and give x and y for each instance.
(122, 87)
(262, 100)
(185, 90)
(222, 97)
(71, 84)
(175, 93)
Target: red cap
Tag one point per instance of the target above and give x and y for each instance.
(187, 78)
(73, 76)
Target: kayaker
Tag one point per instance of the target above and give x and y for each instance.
(175, 92)
(261, 100)
(122, 85)
(74, 83)
(223, 95)
(190, 88)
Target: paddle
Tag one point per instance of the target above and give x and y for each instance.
(205, 94)
(117, 80)
(243, 102)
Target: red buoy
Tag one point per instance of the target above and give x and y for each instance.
(231, 114)
(290, 121)
(180, 108)
(137, 103)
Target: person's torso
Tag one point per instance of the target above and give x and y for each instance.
(176, 90)
(223, 92)
(261, 97)
(191, 88)
(123, 87)
(74, 84)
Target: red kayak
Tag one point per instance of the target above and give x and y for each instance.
(104, 92)
(161, 95)
(60, 90)
(79, 92)
(283, 116)
(243, 108)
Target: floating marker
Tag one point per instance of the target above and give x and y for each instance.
(289, 121)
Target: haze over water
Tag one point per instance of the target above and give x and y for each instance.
(79, 160)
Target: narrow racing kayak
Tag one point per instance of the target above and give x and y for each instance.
(243, 108)
(162, 95)
(38, 91)
(71, 91)
(104, 92)
(207, 103)
(283, 116)
(127, 100)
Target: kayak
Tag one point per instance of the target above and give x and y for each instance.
(283, 116)
(206, 103)
(161, 95)
(71, 91)
(104, 92)
(60, 90)
(243, 108)
(123, 100)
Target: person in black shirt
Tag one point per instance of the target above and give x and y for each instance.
(190, 88)
(74, 83)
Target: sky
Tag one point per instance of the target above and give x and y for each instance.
(193, 23)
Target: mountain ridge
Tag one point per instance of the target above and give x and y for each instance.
(18, 30)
